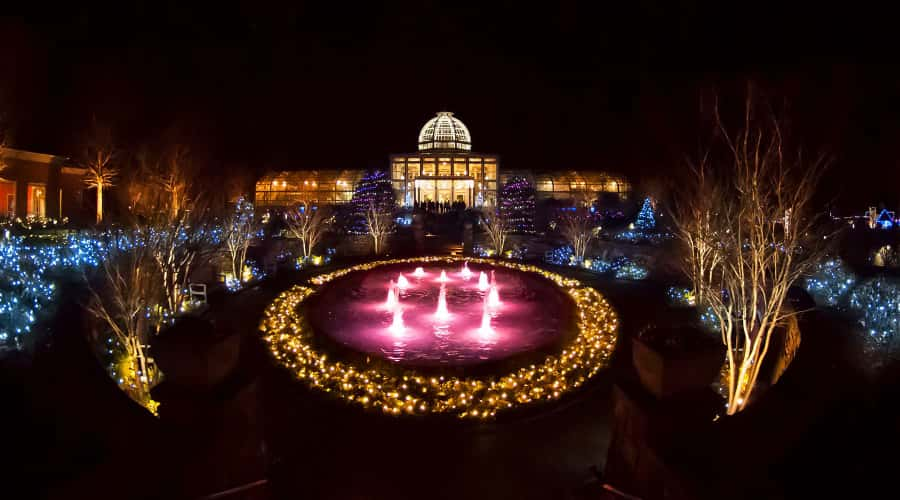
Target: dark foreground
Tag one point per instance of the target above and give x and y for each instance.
(829, 428)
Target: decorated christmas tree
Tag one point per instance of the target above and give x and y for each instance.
(645, 218)
(374, 189)
(517, 205)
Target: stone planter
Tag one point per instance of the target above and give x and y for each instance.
(671, 361)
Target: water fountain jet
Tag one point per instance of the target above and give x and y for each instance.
(465, 272)
(493, 298)
(486, 330)
(397, 327)
(402, 282)
(442, 313)
(419, 273)
(443, 278)
(482, 281)
(391, 301)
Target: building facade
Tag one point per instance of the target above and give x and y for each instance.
(37, 185)
(445, 170)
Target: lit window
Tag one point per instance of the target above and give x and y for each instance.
(37, 200)
(8, 195)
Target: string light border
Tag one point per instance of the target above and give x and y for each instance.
(410, 393)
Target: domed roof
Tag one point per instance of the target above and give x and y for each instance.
(445, 132)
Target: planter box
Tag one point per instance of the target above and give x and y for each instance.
(192, 354)
(676, 360)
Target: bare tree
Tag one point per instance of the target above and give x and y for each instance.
(308, 224)
(240, 228)
(758, 257)
(497, 228)
(97, 159)
(172, 178)
(179, 244)
(122, 291)
(578, 228)
(696, 221)
(379, 224)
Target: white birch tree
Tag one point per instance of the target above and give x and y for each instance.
(756, 256)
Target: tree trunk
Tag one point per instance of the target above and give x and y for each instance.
(99, 203)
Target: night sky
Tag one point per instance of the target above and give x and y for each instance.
(587, 85)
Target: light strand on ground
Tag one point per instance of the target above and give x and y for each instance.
(404, 391)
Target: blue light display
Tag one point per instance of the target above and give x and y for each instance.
(620, 267)
(28, 273)
(877, 302)
(646, 220)
(829, 282)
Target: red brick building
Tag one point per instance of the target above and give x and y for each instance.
(40, 185)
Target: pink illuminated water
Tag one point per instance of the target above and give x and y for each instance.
(430, 323)
(402, 282)
(419, 273)
(443, 278)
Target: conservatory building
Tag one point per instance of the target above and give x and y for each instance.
(288, 188)
(445, 170)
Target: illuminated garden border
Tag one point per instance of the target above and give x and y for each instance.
(410, 393)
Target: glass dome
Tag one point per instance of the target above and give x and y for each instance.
(443, 133)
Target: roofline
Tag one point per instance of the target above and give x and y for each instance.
(436, 152)
(21, 154)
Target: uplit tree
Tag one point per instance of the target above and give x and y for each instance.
(759, 256)
(497, 228)
(308, 223)
(695, 217)
(239, 229)
(517, 204)
(172, 177)
(379, 224)
(97, 160)
(124, 287)
(179, 243)
(578, 228)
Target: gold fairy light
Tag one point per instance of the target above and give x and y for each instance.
(404, 391)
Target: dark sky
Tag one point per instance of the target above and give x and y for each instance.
(328, 84)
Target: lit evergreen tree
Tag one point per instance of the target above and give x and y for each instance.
(645, 218)
(374, 189)
(517, 205)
